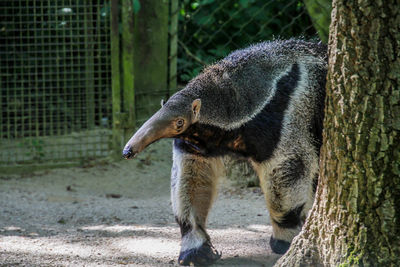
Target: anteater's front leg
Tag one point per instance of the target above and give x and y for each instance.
(193, 188)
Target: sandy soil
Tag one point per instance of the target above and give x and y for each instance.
(120, 214)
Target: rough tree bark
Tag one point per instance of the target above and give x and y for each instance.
(355, 219)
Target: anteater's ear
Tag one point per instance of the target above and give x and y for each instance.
(162, 102)
(196, 105)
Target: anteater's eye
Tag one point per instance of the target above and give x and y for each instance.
(179, 123)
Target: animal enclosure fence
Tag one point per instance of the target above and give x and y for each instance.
(55, 81)
(209, 30)
(70, 80)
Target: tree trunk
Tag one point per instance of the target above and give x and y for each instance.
(355, 219)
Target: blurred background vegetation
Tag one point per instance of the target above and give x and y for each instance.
(209, 29)
(78, 76)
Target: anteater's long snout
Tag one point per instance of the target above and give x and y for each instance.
(128, 153)
(139, 141)
(152, 130)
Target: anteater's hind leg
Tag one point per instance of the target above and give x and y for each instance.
(288, 184)
(193, 188)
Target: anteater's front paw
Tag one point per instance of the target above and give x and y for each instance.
(202, 256)
(279, 246)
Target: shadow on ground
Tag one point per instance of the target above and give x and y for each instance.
(120, 214)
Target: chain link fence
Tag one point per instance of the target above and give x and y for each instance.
(56, 94)
(209, 29)
(55, 81)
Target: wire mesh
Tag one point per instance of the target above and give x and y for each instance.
(55, 66)
(209, 29)
(55, 80)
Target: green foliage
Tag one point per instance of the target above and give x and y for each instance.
(209, 29)
(320, 13)
(136, 6)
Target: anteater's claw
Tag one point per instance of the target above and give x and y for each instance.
(202, 256)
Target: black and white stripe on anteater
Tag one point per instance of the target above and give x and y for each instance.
(263, 103)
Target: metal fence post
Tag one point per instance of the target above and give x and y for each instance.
(173, 47)
(115, 79)
(89, 68)
(127, 56)
(123, 90)
(151, 57)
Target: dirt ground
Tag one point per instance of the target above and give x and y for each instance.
(120, 214)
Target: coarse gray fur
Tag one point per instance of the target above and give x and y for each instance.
(239, 86)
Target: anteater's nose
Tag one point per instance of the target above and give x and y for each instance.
(127, 153)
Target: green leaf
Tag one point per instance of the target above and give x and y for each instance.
(195, 5)
(244, 3)
(136, 6)
(182, 11)
(206, 2)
